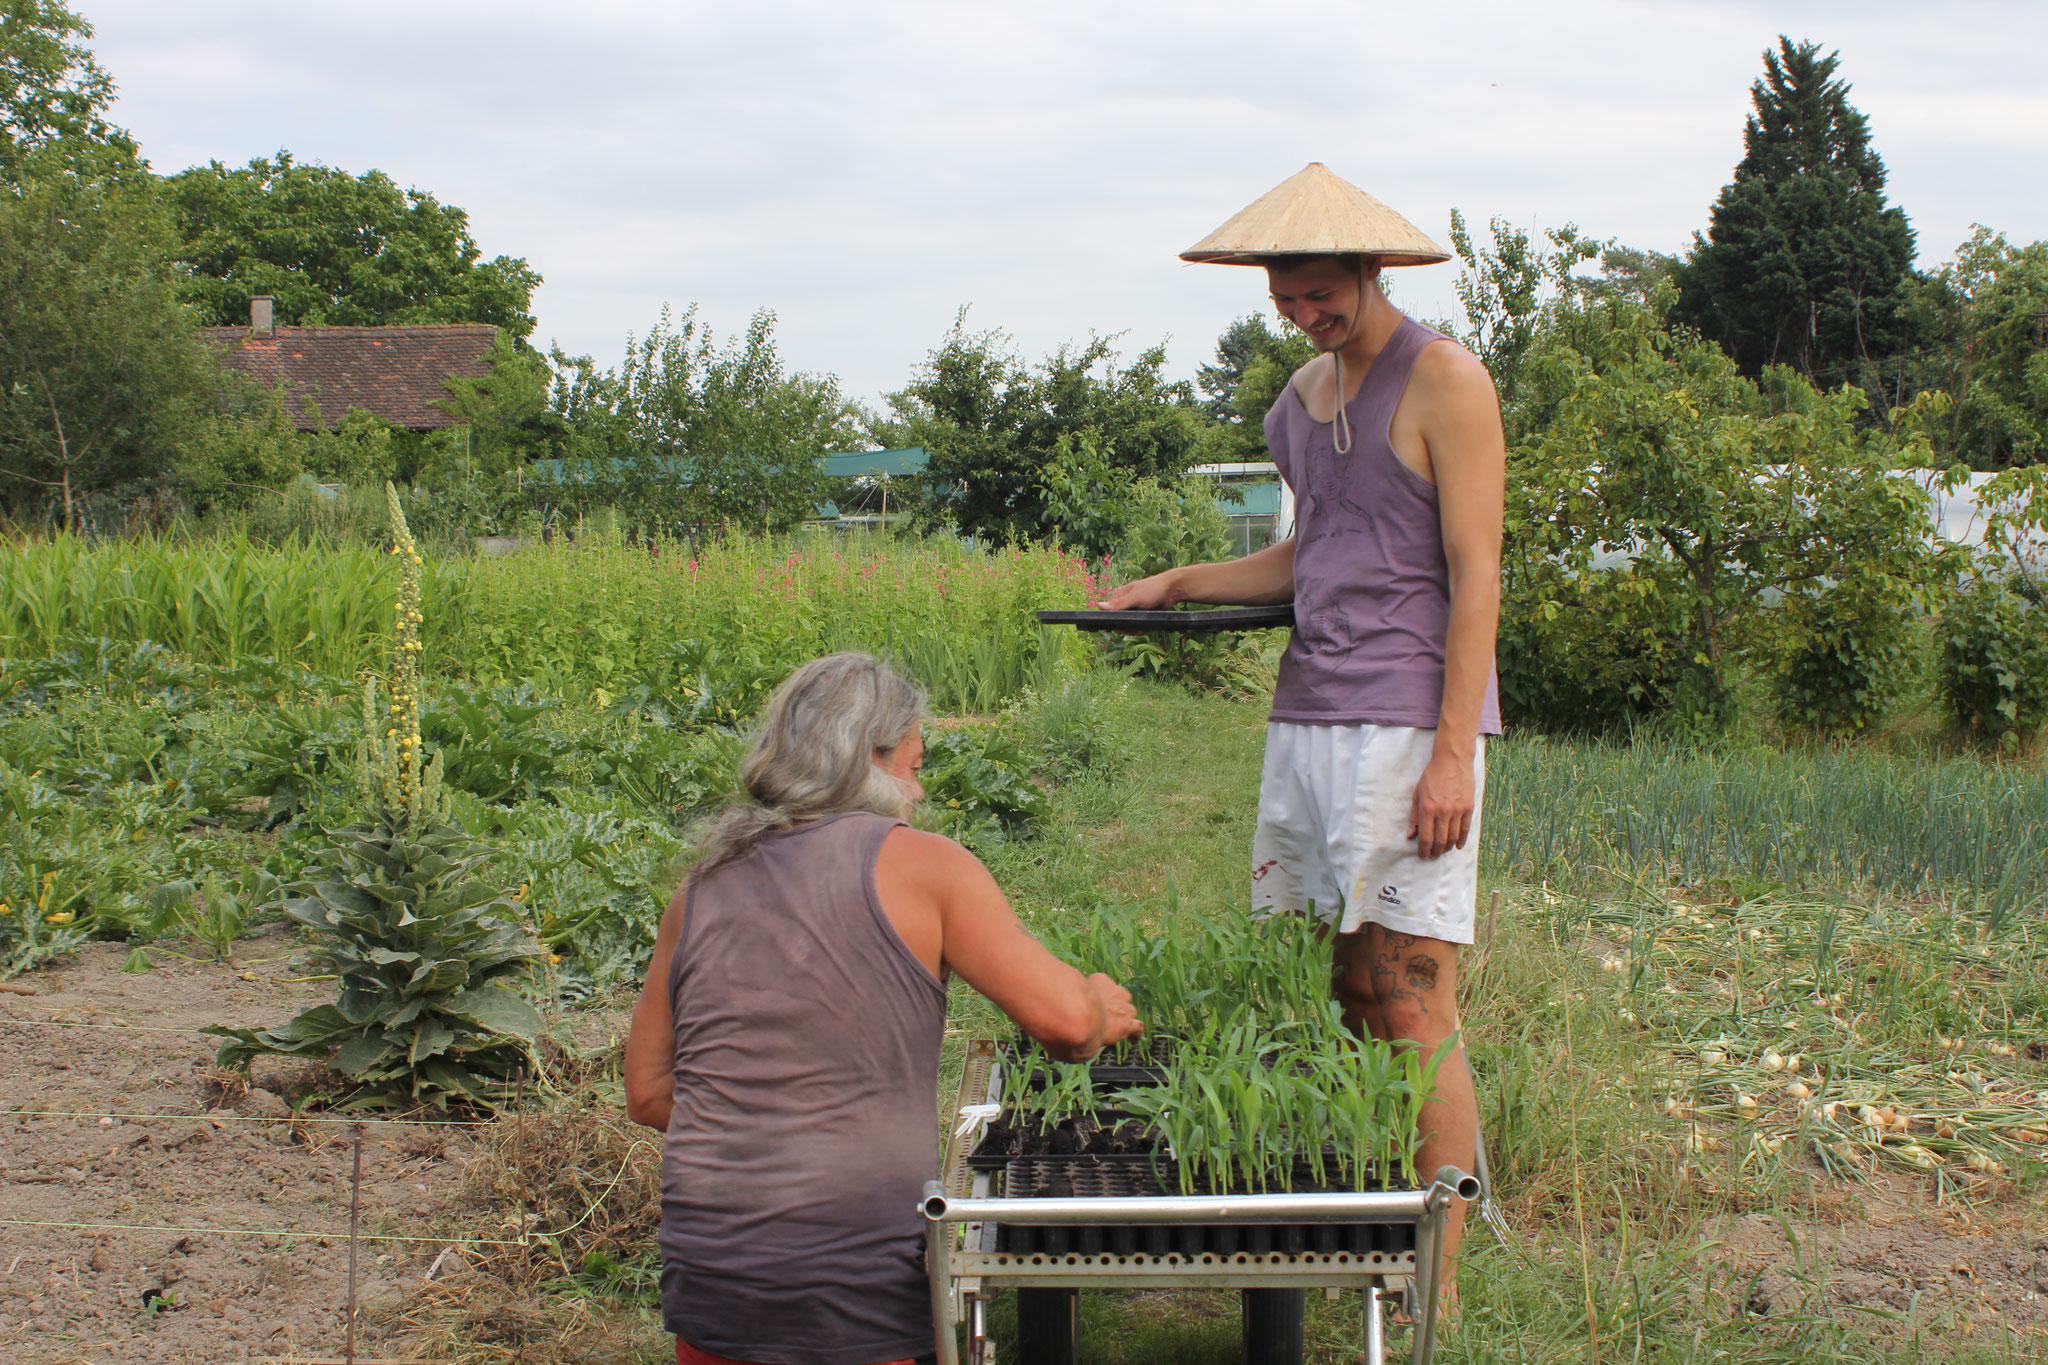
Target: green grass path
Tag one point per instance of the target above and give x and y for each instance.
(1587, 1020)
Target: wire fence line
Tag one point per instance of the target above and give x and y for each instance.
(525, 1239)
(351, 1236)
(304, 1234)
(111, 1028)
(543, 1240)
(223, 1116)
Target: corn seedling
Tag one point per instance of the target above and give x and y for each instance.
(1047, 1092)
(1238, 1109)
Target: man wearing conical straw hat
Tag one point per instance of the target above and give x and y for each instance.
(1375, 753)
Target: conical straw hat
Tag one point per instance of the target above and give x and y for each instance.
(1315, 212)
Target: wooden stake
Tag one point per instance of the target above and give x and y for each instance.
(1486, 929)
(519, 1165)
(355, 1208)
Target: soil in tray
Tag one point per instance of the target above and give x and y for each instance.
(1074, 1137)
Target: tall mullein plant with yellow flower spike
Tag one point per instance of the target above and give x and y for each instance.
(426, 948)
(390, 760)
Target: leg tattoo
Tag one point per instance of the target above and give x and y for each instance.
(1422, 971)
(1390, 983)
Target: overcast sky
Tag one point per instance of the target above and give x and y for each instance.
(865, 169)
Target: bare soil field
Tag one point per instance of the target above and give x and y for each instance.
(213, 1227)
(1984, 1268)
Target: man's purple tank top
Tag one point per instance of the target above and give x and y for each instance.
(806, 1085)
(1372, 591)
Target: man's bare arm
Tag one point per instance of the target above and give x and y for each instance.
(1468, 455)
(1261, 579)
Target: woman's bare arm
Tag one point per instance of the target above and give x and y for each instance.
(950, 911)
(651, 1045)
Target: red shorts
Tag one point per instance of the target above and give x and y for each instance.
(686, 1354)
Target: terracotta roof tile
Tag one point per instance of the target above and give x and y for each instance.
(397, 373)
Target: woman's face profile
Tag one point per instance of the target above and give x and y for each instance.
(903, 762)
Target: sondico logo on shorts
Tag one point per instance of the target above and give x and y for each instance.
(1390, 895)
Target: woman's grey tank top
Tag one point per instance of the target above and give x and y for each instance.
(806, 1090)
(1372, 590)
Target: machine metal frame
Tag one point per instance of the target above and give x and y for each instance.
(965, 1267)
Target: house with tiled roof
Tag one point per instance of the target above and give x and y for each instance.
(399, 373)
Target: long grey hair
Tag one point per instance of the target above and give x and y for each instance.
(814, 754)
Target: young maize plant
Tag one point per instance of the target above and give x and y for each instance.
(1263, 1085)
(1243, 1108)
(1044, 1092)
(426, 948)
(1183, 973)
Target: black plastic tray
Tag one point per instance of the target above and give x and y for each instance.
(1147, 1177)
(1219, 618)
(983, 1158)
(1146, 1065)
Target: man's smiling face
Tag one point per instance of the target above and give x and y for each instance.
(1321, 295)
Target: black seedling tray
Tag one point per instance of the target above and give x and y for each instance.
(1220, 618)
(1146, 1065)
(1116, 1076)
(993, 1151)
(1145, 1177)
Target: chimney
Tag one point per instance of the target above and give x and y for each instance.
(260, 324)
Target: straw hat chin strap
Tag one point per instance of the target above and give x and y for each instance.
(1340, 418)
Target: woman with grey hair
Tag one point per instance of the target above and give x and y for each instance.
(787, 1038)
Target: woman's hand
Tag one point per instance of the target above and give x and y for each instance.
(1119, 1015)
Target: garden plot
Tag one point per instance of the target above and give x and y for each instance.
(183, 1150)
(1859, 1037)
(147, 1137)
(1837, 1107)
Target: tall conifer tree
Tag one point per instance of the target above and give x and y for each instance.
(1804, 264)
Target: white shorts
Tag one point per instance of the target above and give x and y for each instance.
(1335, 806)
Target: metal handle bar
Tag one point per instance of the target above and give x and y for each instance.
(1380, 1206)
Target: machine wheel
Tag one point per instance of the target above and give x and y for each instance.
(1046, 1326)
(1275, 1321)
